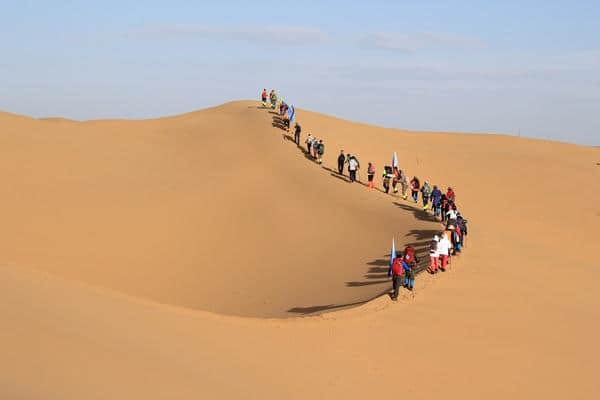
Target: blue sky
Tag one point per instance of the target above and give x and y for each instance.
(471, 66)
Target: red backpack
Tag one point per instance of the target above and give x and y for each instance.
(409, 254)
(397, 267)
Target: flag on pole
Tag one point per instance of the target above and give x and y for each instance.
(291, 113)
(394, 160)
(392, 257)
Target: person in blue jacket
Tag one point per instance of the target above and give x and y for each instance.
(436, 200)
(409, 277)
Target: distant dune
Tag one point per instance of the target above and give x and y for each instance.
(138, 260)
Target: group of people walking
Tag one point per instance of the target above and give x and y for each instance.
(443, 246)
(314, 147)
(269, 99)
(403, 265)
(353, 165)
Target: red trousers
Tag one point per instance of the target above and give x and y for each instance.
(433, 265)
(444, 261)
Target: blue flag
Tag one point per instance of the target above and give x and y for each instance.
(291, 113)
(392, 257)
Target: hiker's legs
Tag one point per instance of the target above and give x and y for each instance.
(341, 169)
(444, 259)
(410, 279)
(415, 196)
(396, 283)
(425, 202)
(433, 265)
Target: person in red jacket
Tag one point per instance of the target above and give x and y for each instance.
(450, 195)
(397, 276)
(415, 186)
(263, 97)
(410, 264)
(370, 175)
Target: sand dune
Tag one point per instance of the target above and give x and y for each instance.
(123, 241)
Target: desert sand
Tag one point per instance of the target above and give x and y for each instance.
(204, 256)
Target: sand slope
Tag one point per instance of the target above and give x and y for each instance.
(211, 210)
(101, 217)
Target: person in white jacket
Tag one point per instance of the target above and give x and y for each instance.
(434, 255)
(444, 247)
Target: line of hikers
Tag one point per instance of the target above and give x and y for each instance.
(281, 106)
(450, 242)
(403, 266)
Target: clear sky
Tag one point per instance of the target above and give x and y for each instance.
(491, 66)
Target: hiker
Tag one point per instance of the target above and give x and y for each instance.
(297, 130)
(308, 141)
(397, 275)
(387, 175)
(370, 175)
(450, 195)
(444, 251)
(451, 215)
(320, 152)
(410, 265)
(425, 193)
(341, 162)
(395, 179)
(434, 255)
(404, 184)
(273, 99)
(445, 207)
(263, 97)
(415, 185)
(456, 239)
(315, 147)
(353, 166)
(462, 222)
(449, 233)
(436, 201)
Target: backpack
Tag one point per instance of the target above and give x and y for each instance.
(409, 255)
(433, 246)
(397, 267)
(426, 189)
(321, 148)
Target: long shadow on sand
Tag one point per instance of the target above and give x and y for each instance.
(418, 212)
(328, 307)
